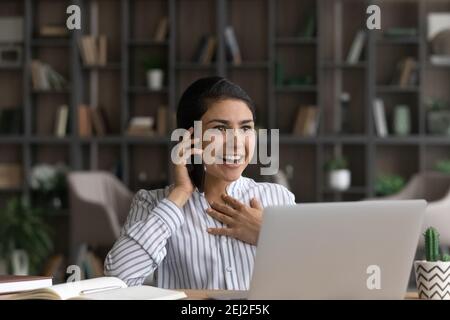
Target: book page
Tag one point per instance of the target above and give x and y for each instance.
(136, 293)
(78, 288)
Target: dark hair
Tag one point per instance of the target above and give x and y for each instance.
(202, 93)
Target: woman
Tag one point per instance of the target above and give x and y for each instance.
(201, 240)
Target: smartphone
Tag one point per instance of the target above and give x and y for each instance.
(197, 172)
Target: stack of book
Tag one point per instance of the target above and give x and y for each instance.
(44, 77)
(11, 176)
(53, 31)
(93, 50)
(206, 50)
(380, 118)
(307, 121)
(141, 126)
(92, 121)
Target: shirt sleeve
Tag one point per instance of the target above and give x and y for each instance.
(141, 246)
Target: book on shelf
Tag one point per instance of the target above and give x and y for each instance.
(44, 77)
(162, 30)
(379, 115)
(94, 50)
(11, 176)
(99, 121)
(12, 283)
(62, 117)
(84, 121)
(103, 288)
(161, 121)
(55, 267)
(53, 31)
(307, 121)
(206, 50)
(232, 46)
(355, 52)
(406, 73)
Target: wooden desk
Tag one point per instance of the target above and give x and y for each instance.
(204, 294)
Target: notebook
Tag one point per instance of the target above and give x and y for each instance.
(9, 284)
(103, 288)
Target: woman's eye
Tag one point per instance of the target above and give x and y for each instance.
(246, 128)
(220, 128)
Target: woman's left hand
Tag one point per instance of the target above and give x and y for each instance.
(243, 222)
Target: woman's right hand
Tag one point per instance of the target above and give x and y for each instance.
(183, 187)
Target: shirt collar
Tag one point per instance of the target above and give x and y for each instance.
(234, 189)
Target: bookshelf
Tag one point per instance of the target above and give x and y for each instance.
(270, 33)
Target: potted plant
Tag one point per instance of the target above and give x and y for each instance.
(49, 186)
(24, 237)
(438, 116)
(388, 184)
(433, 274)
(154, 73)
(339, 176)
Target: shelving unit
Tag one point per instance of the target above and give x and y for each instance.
(268, 32)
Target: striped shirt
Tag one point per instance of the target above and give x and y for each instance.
(159, 236)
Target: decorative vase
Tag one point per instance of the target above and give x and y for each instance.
(402, 120)
(155, 79)
(339, 180)
(20, 262)
(433, 279)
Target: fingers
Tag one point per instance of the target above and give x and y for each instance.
(220, 216)
(223, 209)
(235, 204)
(221, 231)
(254, 203)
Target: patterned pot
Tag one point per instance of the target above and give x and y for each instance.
(433, 279)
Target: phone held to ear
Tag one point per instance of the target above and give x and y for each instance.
(196, 171)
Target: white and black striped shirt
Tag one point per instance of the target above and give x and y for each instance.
(159, 235)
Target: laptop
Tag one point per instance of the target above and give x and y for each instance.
(339, 250)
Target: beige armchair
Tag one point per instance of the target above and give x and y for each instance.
(99, 205)
(434, 187)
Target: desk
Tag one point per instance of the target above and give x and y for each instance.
(204, 294)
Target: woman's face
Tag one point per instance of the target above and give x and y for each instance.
(232, 140)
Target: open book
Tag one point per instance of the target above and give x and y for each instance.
(104, 288)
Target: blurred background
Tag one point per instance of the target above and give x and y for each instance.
(86, 115)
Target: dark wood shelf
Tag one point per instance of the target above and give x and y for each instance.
(250, 65)
(345, 65)
(296, 89)
(147, 43)
(11, 68)
(51, 91)
(194, 66)
(145, 90)
(286, 41)
(396, 89)
(116, 66)
(51, 42)
(352, 190)
(50, 140)
(399, 41)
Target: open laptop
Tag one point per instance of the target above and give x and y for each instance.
(340, 250)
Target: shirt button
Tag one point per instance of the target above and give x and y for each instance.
(228, 269)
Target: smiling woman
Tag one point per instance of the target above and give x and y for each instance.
(201, 232)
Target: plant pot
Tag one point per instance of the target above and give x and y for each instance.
(339, 180)
(439, 122)
(433, 279)
(155, 79)
(20, 262)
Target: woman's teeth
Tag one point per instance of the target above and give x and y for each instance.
(233, 158)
